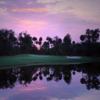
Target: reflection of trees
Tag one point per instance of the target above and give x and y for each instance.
(91, 76)
(25, 75)
(67, 74)
(7, 78)
(58, 73)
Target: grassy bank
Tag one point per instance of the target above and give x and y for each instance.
(27, 59)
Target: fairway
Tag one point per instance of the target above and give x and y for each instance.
(28, 59)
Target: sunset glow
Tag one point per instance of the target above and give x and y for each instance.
(50, 17)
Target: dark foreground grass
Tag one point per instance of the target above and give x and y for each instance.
(28, 60)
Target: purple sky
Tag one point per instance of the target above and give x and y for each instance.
(50, 17)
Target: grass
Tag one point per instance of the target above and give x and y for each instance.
(28, 59)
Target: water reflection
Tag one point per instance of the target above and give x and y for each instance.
(90, 75)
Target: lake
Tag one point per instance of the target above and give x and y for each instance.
(60, 82)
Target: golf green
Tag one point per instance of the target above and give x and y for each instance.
(28, 59)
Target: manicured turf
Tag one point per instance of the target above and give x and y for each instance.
(28, 59)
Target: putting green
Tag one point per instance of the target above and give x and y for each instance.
(28, 59)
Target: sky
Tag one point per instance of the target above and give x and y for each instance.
(50, 17)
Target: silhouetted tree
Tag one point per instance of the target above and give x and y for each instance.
(67, 39)
(91, 36)
(45, 48)
(8, 42)
(67, 44)
(50, 41)
(90, 46)
(26, 43)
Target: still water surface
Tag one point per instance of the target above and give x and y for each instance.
(70, 82)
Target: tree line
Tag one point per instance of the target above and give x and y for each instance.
(25, 44)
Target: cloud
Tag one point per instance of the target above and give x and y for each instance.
(85, 9)
(31, 23)
(3, 11)
(2, 2)
(48, 1)
(22, 92)
(30, 10)
(55, 98)
(29, 3)
(91, 95)
(33, 87)
(55, 6)
(3, 98)
(31, 26)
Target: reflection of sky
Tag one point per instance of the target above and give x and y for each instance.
(43, 90)
(50, 17)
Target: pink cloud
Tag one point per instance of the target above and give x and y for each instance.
(27, 10)
(34, 86)
(31, 26)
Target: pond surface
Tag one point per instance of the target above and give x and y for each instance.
(69, 82)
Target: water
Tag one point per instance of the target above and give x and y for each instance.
(70, 82)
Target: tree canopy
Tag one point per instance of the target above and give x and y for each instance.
(24, 43)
